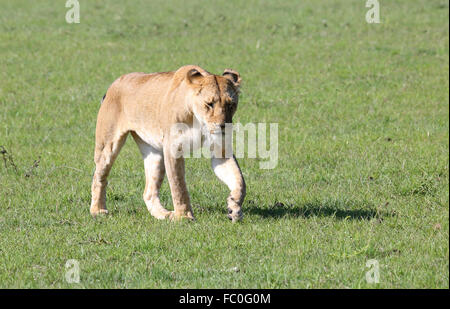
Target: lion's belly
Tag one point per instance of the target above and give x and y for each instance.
(151, 138)
(190, 138)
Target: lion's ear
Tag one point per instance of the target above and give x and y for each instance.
(232, 75)
(194, 76)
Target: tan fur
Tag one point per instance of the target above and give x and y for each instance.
(147, 106)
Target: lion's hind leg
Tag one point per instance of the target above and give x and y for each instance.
(154, 176)
(109, 139)
(106, 152)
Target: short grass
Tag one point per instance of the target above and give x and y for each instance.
(363, 170)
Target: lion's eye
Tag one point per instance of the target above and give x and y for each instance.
(210, 104)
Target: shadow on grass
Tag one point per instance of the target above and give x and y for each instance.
(335, 209)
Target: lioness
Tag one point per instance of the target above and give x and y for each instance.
(147, 106)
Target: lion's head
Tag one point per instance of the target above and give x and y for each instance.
(214, 98)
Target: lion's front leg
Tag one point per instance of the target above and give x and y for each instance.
(228, 171)
(175, 174)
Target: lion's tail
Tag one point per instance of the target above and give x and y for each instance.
(101, 101)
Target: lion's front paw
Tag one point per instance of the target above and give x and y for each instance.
(98, 211)
(235, 215)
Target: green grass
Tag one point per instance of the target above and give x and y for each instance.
(363, 168)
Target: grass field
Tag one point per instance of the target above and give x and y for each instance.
(363, 169)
